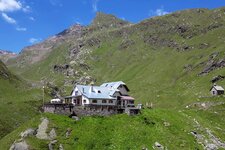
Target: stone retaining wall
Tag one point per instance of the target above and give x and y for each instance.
(79, 110)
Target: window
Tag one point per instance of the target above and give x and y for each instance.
(104, 101)
(110, 101)
(76, 93)
(84, 101)
(94, 101)
(99, 91)
(131, 102)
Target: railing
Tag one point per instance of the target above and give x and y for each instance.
(58, 105)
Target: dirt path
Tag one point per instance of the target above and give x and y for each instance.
(208, 140)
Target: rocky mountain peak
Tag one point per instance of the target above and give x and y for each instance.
(103, 20)
(75, 29)
(5, 55)
(4, 52)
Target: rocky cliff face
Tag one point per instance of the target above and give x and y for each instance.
(40, 51)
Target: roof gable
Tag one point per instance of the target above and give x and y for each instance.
(114, 85)
(218, 88)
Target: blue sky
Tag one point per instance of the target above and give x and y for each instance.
(26, 22)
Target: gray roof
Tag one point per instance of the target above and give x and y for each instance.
(218, 88)
(113, 84)
(97, 92)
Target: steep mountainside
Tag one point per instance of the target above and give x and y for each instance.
(170, 61)
(176, 55)
(16, 98)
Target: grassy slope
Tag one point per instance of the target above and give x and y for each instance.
(158, 75)
(116, 132)
(18, 103)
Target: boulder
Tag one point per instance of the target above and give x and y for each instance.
(51, 144)
(52, 134)
(41, 132)
(28, 132)
(68, 132)
(75, 118)
(211, 147)
(61, 147)
(158, 146)
(19, 146)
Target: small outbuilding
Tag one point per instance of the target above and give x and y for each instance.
(217, 90)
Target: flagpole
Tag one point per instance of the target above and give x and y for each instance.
(43, 96)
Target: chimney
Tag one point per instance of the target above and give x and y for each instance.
(92, 88)
(83, 90)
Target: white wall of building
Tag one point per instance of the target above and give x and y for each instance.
(76, 92)
(99, 102)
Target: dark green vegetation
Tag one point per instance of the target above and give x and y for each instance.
(18, 102)
(168, 61)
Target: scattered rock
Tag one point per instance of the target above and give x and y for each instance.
(28, 132)
(217, 78)
(188, 67)
(19, 146)
(209, 142)
(70, 72)
(85, 80)
(51, 144)
(211, 147)
(41, 131)
(61, 147)
(52, 134)
(93, 42)
(75, 118)
(68, 132)
(61, 68)
(158, 146)
(53, 90)
(84, 66)
(203, 45)
(166, 124)
(126, 44)
(205, 105)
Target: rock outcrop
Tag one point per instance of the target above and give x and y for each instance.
(42, 128)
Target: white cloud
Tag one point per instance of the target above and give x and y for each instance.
(10, 5)
(32, 18)
(161, 12)
(26, 9)
(33, 40)
(21, 29)
(95, 5)
(8, 19)
(158, 12)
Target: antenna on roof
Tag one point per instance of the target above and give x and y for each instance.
(92, 88)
